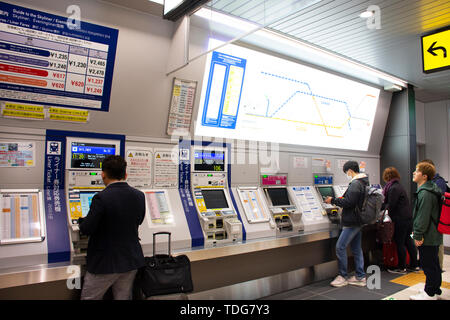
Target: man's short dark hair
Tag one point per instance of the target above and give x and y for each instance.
(351, 165)
(115, 167)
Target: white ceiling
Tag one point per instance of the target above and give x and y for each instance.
(335, 25)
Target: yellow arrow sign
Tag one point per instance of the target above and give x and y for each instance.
(436, 51)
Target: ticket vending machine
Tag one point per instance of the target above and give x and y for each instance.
(282, 205)
(209, 183)
(324, 186)
(84, 159)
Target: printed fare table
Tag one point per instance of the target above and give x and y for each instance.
(42, 61)
(46, 64)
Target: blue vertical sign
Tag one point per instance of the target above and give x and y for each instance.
(187, 200)
(223, 92)
(58, 243)
(56, 215)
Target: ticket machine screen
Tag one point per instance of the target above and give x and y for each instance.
(209, 160)
(214, 199)
(90, 155)
(86, 200)
(326, 191)
(278, 196)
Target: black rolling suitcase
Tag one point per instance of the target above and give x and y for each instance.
(163, 274)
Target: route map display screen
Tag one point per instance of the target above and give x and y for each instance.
(249, 95)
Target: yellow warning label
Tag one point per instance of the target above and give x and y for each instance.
(75, 209)
(176, 91)
(61, 117)
(23, 107)
(23, 114)
(436, 51)
(70, 112)
(130, 155)
(201, 205)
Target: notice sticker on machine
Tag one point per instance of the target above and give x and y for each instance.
(139, 167)
(17, 154)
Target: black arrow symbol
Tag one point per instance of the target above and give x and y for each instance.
(431, 50)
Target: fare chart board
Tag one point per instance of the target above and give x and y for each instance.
(20, 218)
(43, 60)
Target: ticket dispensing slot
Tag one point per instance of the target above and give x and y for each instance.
(281, 204)
(210, 189)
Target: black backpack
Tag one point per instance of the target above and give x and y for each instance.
(370, 211)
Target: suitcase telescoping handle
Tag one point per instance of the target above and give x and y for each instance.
(160, 233)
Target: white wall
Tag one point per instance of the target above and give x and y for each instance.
(140, 93)
(420, 122)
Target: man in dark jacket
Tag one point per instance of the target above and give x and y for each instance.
(114, 253)
(351, 231)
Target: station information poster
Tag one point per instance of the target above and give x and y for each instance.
(20, 216)
(139, 167)
(17, 154)
(181, 106)
(166, 168)
(44, 58)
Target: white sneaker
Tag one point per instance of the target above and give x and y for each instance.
(355, 282)
(339, 281)
(423, 296)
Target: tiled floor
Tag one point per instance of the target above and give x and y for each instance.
(392, 287)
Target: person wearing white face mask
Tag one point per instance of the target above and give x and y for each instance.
(351, 226)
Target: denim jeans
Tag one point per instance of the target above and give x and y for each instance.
(352, 236)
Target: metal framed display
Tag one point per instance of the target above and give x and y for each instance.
(158, 209)
(254, 206)
(22, 219)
